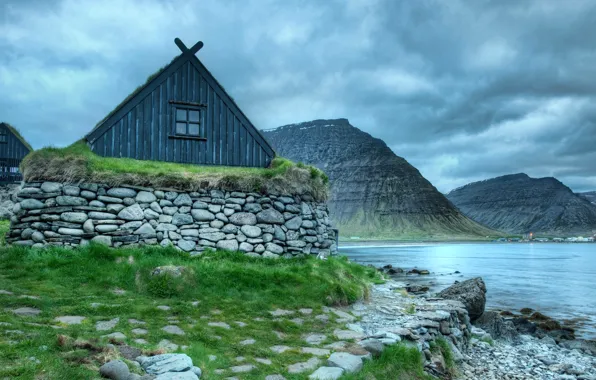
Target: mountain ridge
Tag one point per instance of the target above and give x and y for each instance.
(374, 192)
(518, 203)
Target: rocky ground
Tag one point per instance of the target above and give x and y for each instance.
(528, 358)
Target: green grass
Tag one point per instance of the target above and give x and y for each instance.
(441, 345)
(397, 362)
(78, 163)
(487, 340)
(230, 287)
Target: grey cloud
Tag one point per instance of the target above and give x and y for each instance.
(464, 90)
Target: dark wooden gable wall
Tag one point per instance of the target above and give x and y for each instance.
(143, 127)
(13, 148)
(12, 152)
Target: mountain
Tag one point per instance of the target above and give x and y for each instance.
(517, 203)
(589, 195)
(374, 193)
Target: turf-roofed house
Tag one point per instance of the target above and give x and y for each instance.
(181, 114)
(176, 163)
(13, 147)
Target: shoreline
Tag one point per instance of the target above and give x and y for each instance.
(502, 351)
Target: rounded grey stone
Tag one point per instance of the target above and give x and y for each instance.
(327, 373)
(186, 245)
(51, 187)
(294, 223)
(243, 218)
(182, 219)
(145, 197)
(171, 195)
(128, 201)
(88, 226)
(251, 231)
(200, 205)
(71, 190)
(67, 200)
(201, 215)
(121, 192)
(274, 248)
(37, 237)
(103, 228)
(229, 229)
(228, 245)
(253, 208)
(133, 212)
(71, 231)
(270, 216)
(115, 370)
(74, 217)
(87, 194)
(246, 247)
(150, 214)
(31, 204)
(101, 215)
(102, 239)
(183, 200)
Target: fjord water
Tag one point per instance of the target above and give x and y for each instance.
(558, 280)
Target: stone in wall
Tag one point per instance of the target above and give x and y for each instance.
(7, 199)
(268, 226)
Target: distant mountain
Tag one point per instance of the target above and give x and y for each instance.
(374, 193)
(517, 203)
(589, 195)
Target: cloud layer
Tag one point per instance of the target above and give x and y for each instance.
(464, 90)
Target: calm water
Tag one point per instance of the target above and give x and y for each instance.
(557, 279)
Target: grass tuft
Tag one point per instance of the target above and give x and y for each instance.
(396, 362)
(77, 163)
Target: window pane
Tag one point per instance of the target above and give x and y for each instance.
(181, 128)
(180, 115)
(193, 129)
(193, 115)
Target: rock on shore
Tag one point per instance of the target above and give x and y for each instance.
(472, 293)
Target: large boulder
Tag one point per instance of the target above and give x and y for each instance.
(472, 293)
(497, 326)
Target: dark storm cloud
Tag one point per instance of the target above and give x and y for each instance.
(464, 90)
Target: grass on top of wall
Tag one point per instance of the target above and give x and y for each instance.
(77, 163)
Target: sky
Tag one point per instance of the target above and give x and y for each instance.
(464, 90)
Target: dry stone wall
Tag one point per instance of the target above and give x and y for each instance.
(270, 225)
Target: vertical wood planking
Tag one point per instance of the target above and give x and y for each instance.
(215, 122)
(209, 125)
(177, 143)
(133, 133)
(146, 128)
(154, 124)
(162, 124)
(242, 145)
(230, 135)
(236, 141)
(192, 91)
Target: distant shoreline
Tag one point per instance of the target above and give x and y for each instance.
(402, 243)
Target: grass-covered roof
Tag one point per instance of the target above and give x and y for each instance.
(17, 134)
(77, 163)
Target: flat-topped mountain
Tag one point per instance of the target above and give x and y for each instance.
(373, 191)
(517, 203)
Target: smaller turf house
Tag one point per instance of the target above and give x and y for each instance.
(13, 148)
(181, 114)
